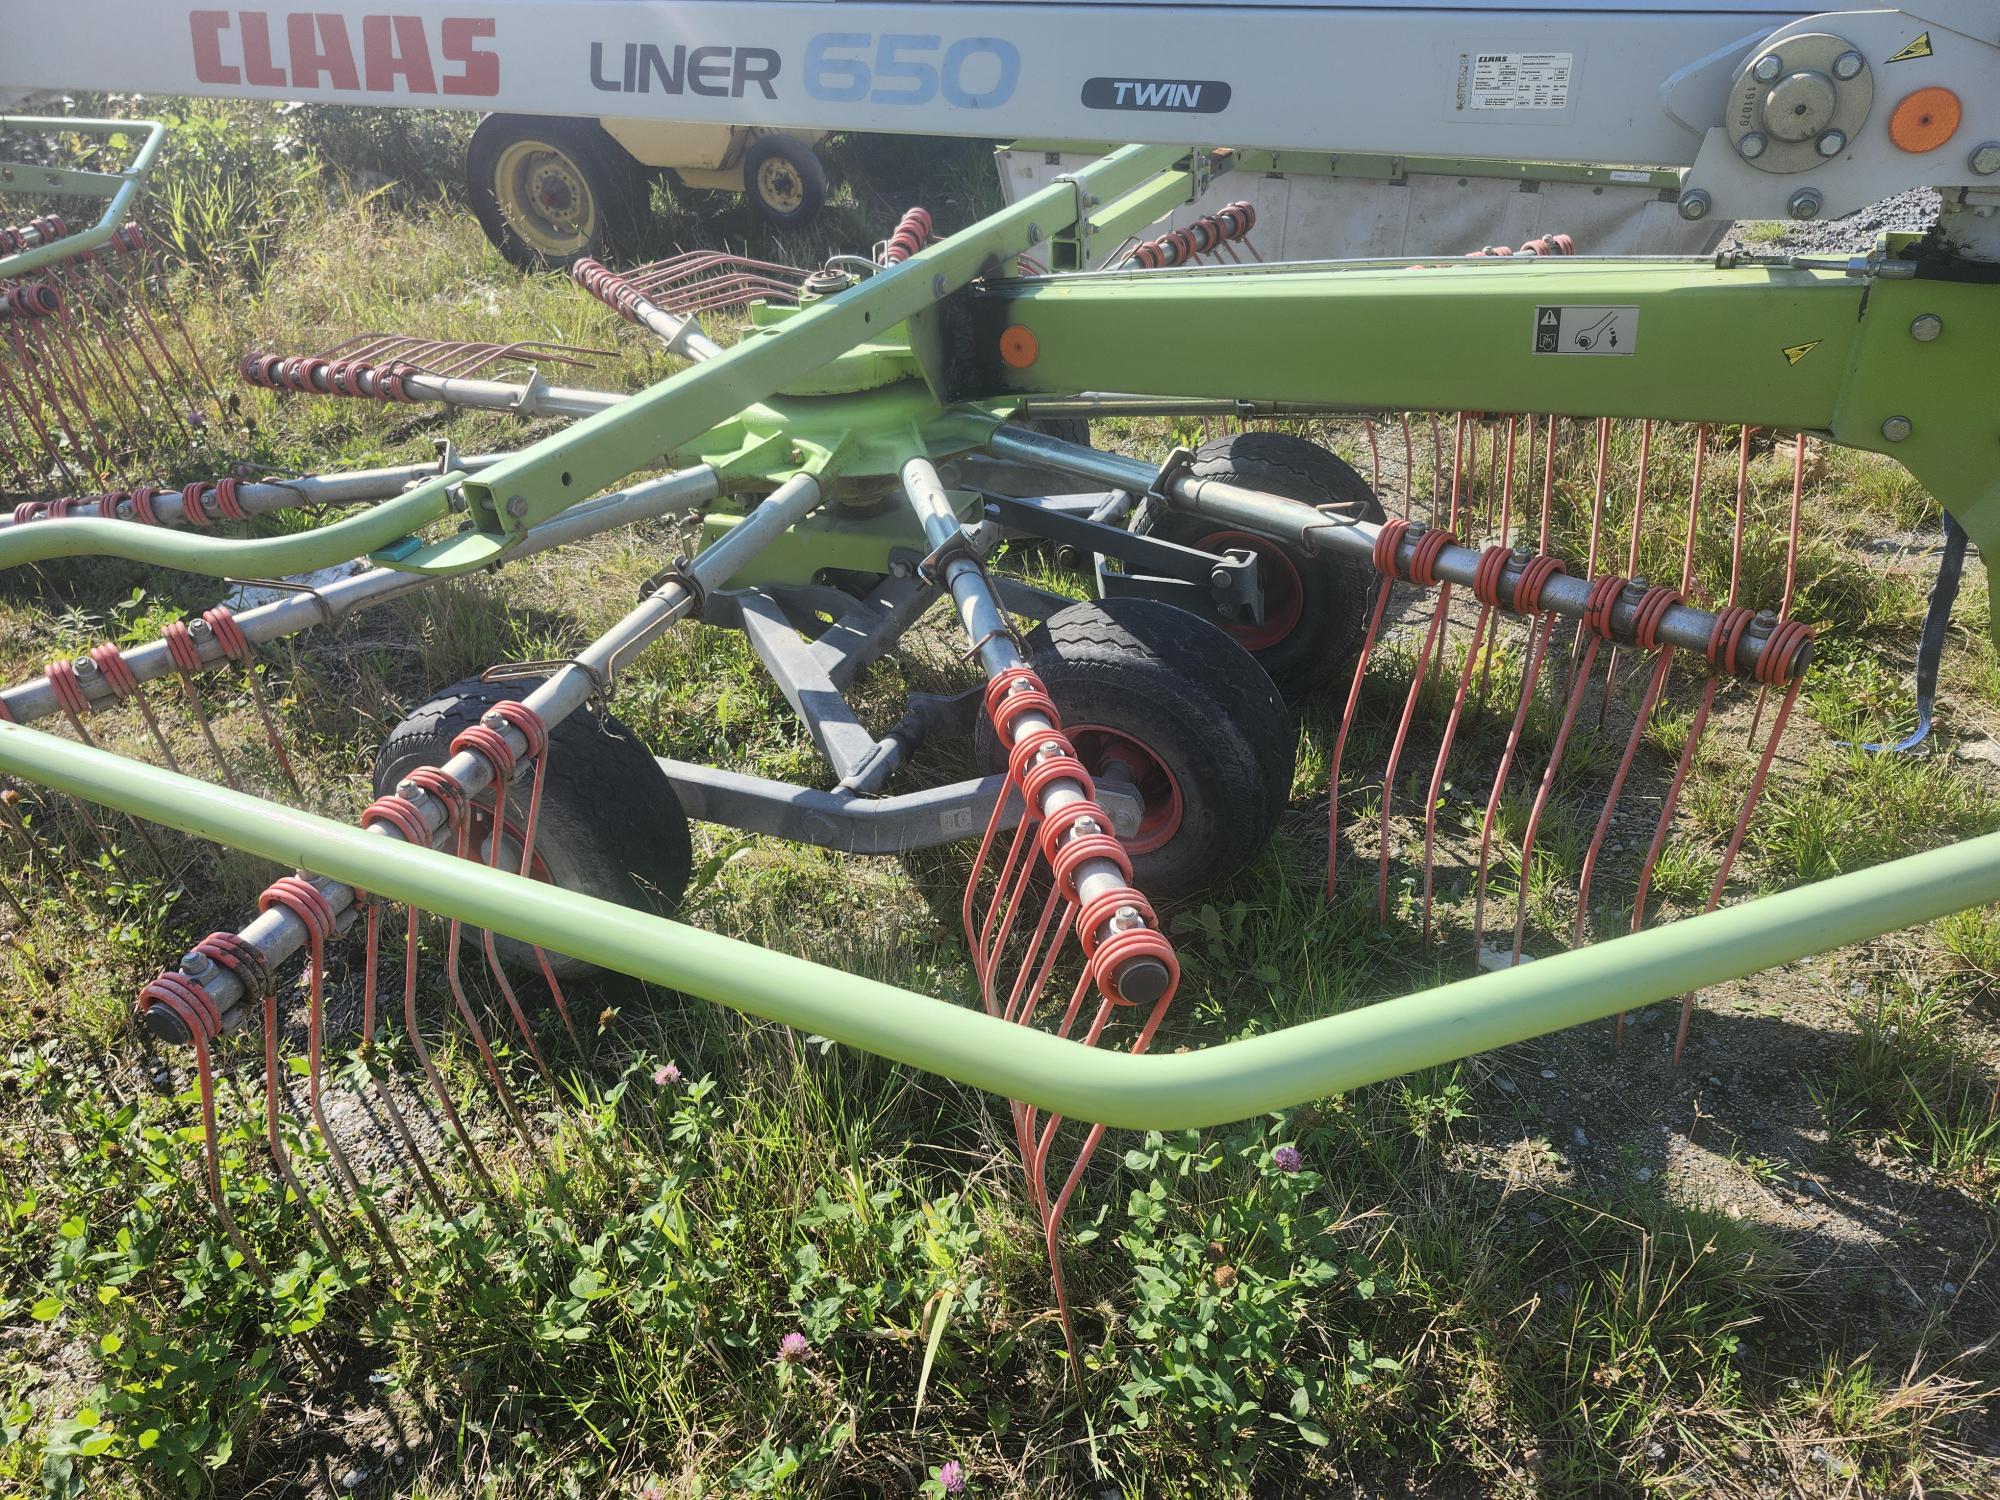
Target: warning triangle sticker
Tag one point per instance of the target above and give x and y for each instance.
(1549, 317)
(1796, 352)
(1921, 47)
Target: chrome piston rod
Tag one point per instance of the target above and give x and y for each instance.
(1295, 521)
(277, 933)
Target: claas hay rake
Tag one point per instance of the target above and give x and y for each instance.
(1508, 577)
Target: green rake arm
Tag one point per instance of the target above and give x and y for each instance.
(1211, 1086)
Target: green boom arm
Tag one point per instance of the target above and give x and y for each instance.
(1166, 1092)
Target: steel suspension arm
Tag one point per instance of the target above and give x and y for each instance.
(1158, 1091)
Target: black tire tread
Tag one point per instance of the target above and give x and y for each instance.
(1319, 652)
(639, 858)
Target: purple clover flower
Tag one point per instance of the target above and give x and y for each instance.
(792, 1348)
(1287, 1159)
(952, 1477)
(666, 1075)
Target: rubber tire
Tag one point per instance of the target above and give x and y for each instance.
(1319, 651)
(621, 187)
(800, 157)
(611, 825)
(1195, 698)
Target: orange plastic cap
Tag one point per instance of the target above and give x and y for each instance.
(1019, 347)
(1925, 120)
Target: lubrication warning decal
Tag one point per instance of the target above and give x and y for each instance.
(1514, 80)
(1573, 329)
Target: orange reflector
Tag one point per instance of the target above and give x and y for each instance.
(1925, 120)
(1019, 347)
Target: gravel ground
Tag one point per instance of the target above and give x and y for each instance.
(1915, 210)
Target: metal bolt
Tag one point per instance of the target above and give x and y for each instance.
(1833, 143)
(517, 506)
(1848, 65)
(194, 965)
(1806, 203)
(1034, 234)
(1084, 827)
(1768, 68)
(85, 667)
(1695, 203)
(1752, 145)
(1986, 158)
(1219, 578)
(1126, 918)
(1895, 429)
(1925, 327)
(937, 285)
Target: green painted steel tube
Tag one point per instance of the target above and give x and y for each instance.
(22, 262)
(1207, 1087)
(601, 450)
(230, 557)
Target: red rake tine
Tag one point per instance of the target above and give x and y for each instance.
(1631, 555)
(373, 928)
(187, 662)
(1421, 574)
(1597, 616)
(1791, 565)
(448, 792)
(1782, 651)
(198, 1017)
(1535, 573)
(532, 729)
(1347, 721)
(236, 646)
(401, 814)
(1492, 565)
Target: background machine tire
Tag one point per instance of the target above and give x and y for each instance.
(784, 180)
(548, 190)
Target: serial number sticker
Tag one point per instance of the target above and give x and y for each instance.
(1586, 329)
(1514, 80)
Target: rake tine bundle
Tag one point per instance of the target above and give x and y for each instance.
(1612, 613)
(93, 368)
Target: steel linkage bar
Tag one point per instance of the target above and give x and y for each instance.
(1171, 1091)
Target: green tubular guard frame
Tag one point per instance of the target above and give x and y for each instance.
(1829, 351)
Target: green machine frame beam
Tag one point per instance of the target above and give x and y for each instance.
(1210, 1086)
(1901, 366)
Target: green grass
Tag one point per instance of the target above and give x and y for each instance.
(1405, 1312)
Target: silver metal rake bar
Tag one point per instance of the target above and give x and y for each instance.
(332, 602)
(1679, 625)
(1209, 1086)
(167, 506)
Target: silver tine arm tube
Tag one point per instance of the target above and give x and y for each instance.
(1253, 510)
(278, 934)
(260, 497)
(333, 602)
(986, 626)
